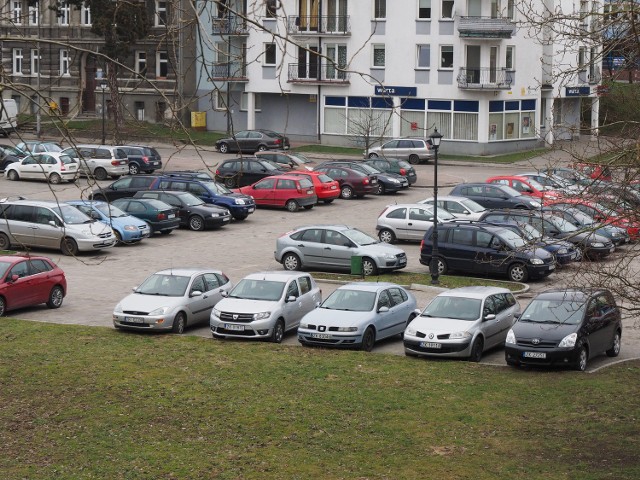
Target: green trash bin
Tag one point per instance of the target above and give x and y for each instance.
(356, 265)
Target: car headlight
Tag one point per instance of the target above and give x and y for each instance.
(303, 325)
(511, 337)
(458, 335)
(240, 201)
(347, 329)
(562, 251)
(569, 341)
(597, 244)
(130, 228)
(118, 309)
(215, 313)
(536, 261)
(389, 256)
(261, 315)
(535, 204)
(410, 331)
(159, 311)
(393, 180)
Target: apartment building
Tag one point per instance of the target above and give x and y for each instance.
(486, 74)
(53, 58)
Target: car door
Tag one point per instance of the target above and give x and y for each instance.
(459, 251)
(42, 281)
(419, 221)
(21, 226)
(263, 191)
(29, 168)
(390, 148)
(401, 310)
(198, 301)
(309, 294)
(214, 288)
(292, 310)
(46, 234)
(496, 330)
(311, 247)
(386, 317)
(19, 292)
(495, 254)
(495, 197)
(601, 314)
(338, 250)
(397, 220)
(240, 142)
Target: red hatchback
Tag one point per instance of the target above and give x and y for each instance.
(526, 186)
(327, 189)
(26, 281)
(288, 191)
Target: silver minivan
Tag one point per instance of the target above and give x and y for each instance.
(414, 150)
(49, 224)
(100, 161)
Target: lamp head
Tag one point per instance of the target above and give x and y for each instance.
(435, 138)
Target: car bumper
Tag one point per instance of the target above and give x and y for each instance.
(328, 195)
(241, 210)
(133, 235)
(338, 340)
(151, 166)
(566, 258)
(523, 355)
(257, 329)
(306, 201)
(165, 225)
(213, 222)
(600, 252)
(86, 245)
(118, 171)
(423, 346)
(143, 322)
(540, 271)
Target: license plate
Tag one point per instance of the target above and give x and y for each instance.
(251, 210)
(226, 219)
(534, 355)
(373, 182)
(172, 215)
(230, 326)
(155, 163)
(322, 336)
(430, 345)
(611, 249)
(134, 319)
(552, 267)
(310, 192)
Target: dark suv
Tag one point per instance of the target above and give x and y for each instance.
(490, 195)
(387, 182)
(484, 249)
(142, 158)
(241, 172)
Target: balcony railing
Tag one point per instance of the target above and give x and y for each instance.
(319, 25)
(229, 26)
(485, 78)
(486, 27)
(317, 73)
(229, 72)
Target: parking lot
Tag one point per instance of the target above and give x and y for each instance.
(98, 281)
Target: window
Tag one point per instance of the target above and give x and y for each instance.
(34, 13)
(257, 102)
(510, 60)
(35, 62)
(446, 56)
(269, 53)
(63, 14)
(379, 9)
(378, 56)
(447, 8)
(462, 236)
(64, 62)
(511, 9)
(220, 100)
(582, 58)
(162, 64)
(85, 14)
(272, 7)
(17, 61)
(305, 285)
(141, 63)
(424, 56)
(17, 12)
(424, 9)
(161, 14)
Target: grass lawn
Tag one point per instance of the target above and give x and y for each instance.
(95, 403)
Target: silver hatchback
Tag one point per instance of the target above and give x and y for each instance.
(408, 222)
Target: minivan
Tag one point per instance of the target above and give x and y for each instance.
(100, 161)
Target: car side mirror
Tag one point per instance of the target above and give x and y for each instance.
(490, 316)
(133, 289)
(291, 298)
(383, 309)
(53, 223)
(224, 293)
(195, 293)
(465, 212)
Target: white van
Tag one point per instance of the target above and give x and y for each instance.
(8, 116)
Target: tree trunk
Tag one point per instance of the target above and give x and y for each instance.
(116, 104)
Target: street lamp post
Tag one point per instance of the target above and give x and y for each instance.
(103, 86)
(435, 138)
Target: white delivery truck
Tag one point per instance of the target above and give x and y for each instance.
(8, 116)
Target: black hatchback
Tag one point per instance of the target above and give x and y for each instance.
(241, 172)
(565, 327)
(387, 182)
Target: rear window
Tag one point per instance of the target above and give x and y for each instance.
(403, 164)
(325, 178)
(305, 183)
(66, 159)
(120, 154)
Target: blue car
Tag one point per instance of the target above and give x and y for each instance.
(128, 229)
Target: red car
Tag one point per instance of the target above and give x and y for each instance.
(288, 191)
(27, 281)
(594, 170)
(605, 214)
(327, 189)
(526, 186)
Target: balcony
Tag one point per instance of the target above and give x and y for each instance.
(229, 72)
(315, 73)
(229, 26)
(486, 27)
(335, 25)
(485, 78)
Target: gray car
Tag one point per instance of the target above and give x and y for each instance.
(409, 221)
(414, 150)
(462, 322)
(172, 299)
(265, 305)
(333, 246)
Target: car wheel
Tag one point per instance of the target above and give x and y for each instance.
(55, 179)
(118, 238)
(69, 247)
(346, 192)
(5, 243)
(179, 323)
(369, 267)
(134, 169)
(414, 159)
(262, 148)
(3, 306)
(13, 175)
(614, 351)
(278, 332)
(518, 273)
(196, 222)
(476, 350)
(380, 189)
(223, 147)
(308, 207)
(442, 267)
(368, 339)
(230, 182)
(56, 296)
(291, 262)
(387, 236)
(292, 206)
(583, 358)
(373, 155)
(328, 201)
(100, 174)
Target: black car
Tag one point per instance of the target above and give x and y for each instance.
(126, 186)
(241, 172)
(565, 327)
(193, 212)
(491, 195)
(582, 221)
(9, 154)
(587, 243)
(296, 160)
(387, 182)
(142, 158)
(393, 165)
(160, 216)
(482, 249)
(251, 141)
(353, 183)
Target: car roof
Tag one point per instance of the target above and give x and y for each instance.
(17, 258)
(455, 198)
(325, 225)
(367, 286)
(487, 226)
(85, 202)
(277, 275)
(187, 271)
(405, 205)
(569, 294)
(474, 292)
(35, 203)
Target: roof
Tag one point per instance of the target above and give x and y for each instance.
(367, 286)
(35, 203)
(183, 271)
(456, 198)
(275, 276)
(569, 294)
(474, 292)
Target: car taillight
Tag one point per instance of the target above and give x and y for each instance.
(62, 167)
(162, 216)
(277, 141)
(365, 181)
(298, 188)
(217, 172)
(145, 159)
(421, 244)
(403, 172)
(115, 162)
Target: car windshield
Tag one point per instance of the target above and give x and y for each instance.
(530, 232)
(350, 300)
(9, 150)
(359, 237)
(164, 285)
(252, 289)
(71, 215)
(535, 184)
(553, 311)
(472, 206)
(562, 224)
(443, 215)
(458, 308)
(268, 165)
(582, 218)
(511, 238)
(302, 158)
(4, 266)
(110, 210)
(370, 169)
(190, 199)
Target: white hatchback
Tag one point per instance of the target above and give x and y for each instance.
(53, 167)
